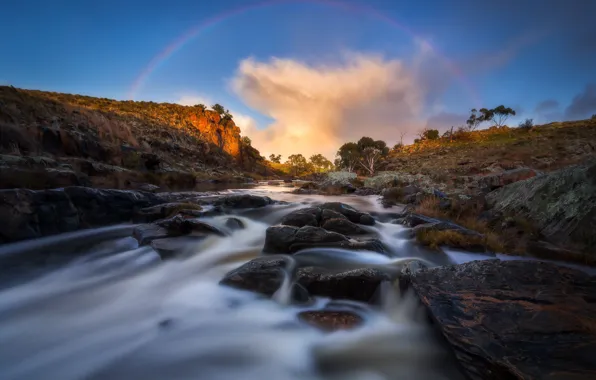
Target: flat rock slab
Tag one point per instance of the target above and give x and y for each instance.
(514, 319)
(331, 320)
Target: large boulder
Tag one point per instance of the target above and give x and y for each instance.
(242, 201)
(290, 239)
(264, 275)
(338, 183)
(514, 319)
(560, 205)
(310, 216)
(349, 212)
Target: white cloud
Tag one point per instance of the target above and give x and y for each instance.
(318, 108)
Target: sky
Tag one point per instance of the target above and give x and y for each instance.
(308, 76)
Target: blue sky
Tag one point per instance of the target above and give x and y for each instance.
(518, 53)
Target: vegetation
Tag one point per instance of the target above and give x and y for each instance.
(366, 153)
(275, 158)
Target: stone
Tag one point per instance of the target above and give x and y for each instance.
(327, 214)
(179, 225)
(514, 319)
(243, 201)
(173, 247)
(560, 205)
(234, 224)
(153, 213)
(304, 217)
(496, 180)
(330, 320)
(289, 239)
(146, 233)
(264, 275)
(351, 213)
(343, 226)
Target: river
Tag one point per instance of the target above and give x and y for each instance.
(118, 312)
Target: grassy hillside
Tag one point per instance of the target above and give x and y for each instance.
(113, 143)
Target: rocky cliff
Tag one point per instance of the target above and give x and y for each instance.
(52, 139)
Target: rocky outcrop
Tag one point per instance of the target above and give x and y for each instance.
(264, 275)
(332, 216)
(289, 239)
(28, 214)
(494, 181)
(514, 319)
(560, 205)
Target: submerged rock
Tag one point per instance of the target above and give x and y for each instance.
(514, 319)
(331, 320)
(264, 275)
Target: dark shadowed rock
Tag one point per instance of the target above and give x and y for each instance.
(234, 224)
(413, 220)
(179, 225)
(349, 212)
(146, 233)
(172, 247)
(289, 239)
(304, 217)
(343, 226)
(264, 275)
(496, 180)
(243, 201)
(514, 319)
(153, 213)
(327, 214)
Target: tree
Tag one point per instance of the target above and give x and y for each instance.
(501, 114)
(527, 124)
(297, 163)
(274, 158)
(474, 120)
(348, 156)
(371, 152)
(486, 114)
(201, 107)
(428, 134)
(218, 108)
(320, 162)
(246, 141)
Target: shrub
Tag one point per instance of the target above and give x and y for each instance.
(527, 124)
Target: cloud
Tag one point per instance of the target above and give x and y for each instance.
(583, 104)
(318, 108)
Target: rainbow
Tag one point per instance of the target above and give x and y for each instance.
(195, 31)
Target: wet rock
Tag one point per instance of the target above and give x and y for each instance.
(331, 320)
(304, 217)
(337, 183)
(146, 233)
(514, 319)
(234, 224)
(561, 205)
(179, 225)
(175, 247)
(494, 181)
(148, 187)
(351, 213)
(365, 191)
(413, 220)
(289, 239)
(153, 213)
(327, 214)
(343, 226)
(264, 275)
(243, 201)
(29, 214)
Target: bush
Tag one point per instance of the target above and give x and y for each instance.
(527, 124)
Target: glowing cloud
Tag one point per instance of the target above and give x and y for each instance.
(318, 108)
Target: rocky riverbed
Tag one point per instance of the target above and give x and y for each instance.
(338, 286)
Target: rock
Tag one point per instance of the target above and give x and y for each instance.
(304, 217)
(496, 180)
(234, 224)
(330, 320)
(178, 225)
(561, 205)
(243, 201)
(146, 233)
(289, 239)
(148, 187)
(514, 319)
(327, 214)
(351, 213)
(153, 213)
(343, 226)
(263, 275)
(413, 220)
(365, 191)
(338, 183)
(383, 180)
(29, 214)
(172, 247)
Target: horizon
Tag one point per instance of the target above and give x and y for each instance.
(295, 72)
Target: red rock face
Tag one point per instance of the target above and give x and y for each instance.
(223, 133)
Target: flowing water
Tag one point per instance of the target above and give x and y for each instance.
(117, 312)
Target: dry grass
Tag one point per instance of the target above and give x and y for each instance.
(429, 206)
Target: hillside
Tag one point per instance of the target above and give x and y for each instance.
(51, 139)
(453, 159)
